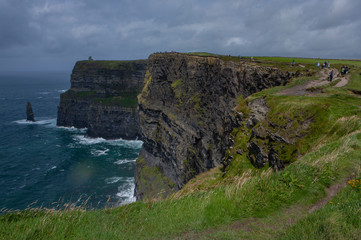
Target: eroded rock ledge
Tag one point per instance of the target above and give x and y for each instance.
(187, 114)
(103, 98)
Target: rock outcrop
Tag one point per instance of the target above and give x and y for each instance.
(103, 98)
(187, 113)
(273, 141)
(29, 113)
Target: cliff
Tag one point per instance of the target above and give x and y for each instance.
(103, 98)
(187, 114)
(315, 197)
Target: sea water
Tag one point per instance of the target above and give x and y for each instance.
(42, 165)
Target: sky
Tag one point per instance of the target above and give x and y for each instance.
(54, 34)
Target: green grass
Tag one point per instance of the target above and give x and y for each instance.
(125, 100)
(266, 204)
(107, 64)
(339, 219)
(263, 193)
(356, 63)
(355, 79)
(86, 94)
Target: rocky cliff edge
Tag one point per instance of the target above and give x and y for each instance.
(103, 98)
(187, 114)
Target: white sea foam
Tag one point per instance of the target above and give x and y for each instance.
(73, 129)
(53, 167)
(113, 180)
(62, 91)
(124, 161)
(136, 144)
(126, 191)
(50, 122)
(98, 152)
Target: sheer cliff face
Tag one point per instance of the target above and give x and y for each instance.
(186, 116)
(103, 99)
(108, 77)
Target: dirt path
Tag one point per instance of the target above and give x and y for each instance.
(272, 224)
(331, 192)
(302, 90)
(343, 82)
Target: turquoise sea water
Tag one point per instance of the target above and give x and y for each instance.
(42, 165)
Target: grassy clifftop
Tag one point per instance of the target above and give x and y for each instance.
(108, 64)
(317, 196)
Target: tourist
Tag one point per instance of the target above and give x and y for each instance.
(331, 75)
(342, 70)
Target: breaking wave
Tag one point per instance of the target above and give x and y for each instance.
(98, 153)
(135, 144)
(50, 122)
(113, 180)
(124, 161)
(126, 191)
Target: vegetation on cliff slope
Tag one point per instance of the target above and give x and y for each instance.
(244, 202)
(119, 65)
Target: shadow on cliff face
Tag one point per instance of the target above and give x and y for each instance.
(103, 98)
(187, 114)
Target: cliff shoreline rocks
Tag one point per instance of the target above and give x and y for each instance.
(103, 98)
(182, 107)
(29, 113)
(187, 114)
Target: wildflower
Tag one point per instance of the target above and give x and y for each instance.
(354, 183)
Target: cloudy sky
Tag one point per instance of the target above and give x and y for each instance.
(53, 34)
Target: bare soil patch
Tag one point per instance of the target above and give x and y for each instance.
(301, 90)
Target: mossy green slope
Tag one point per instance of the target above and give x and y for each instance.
(243, 203)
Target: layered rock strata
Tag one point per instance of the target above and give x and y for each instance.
(187, 113)
(103, 98)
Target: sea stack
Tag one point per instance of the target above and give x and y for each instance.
(29, 113)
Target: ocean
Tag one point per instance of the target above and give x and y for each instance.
(42, 165)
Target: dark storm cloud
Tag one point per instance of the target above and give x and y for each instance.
(54, 34)
(14, 27)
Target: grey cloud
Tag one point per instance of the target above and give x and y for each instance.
(56, 33)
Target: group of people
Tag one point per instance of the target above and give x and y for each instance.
(326, 64)
(344, 70)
